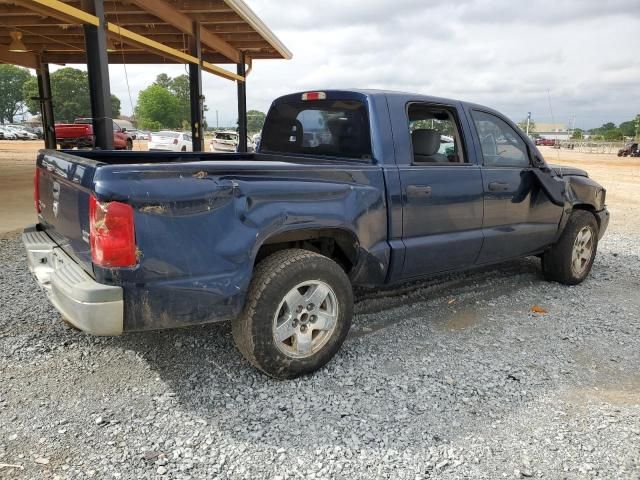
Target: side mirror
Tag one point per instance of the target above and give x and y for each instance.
(123, 130)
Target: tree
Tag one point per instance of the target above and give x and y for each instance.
(612, 135)
(628, 129)
(523, 125)
(163, 80)
(12, 80)
(179, 86)
(115, 106)
(578, 134)
(255, 121)
(70, 95)
(157, 108)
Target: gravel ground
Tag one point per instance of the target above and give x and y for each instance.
(452, 378)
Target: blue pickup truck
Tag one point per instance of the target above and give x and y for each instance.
(349, 187)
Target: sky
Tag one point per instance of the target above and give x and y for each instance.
(575, 62)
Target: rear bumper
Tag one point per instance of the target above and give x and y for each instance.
(603, 222)
(88, 305)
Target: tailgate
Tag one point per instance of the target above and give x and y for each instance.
(73, 131)
(64, 184)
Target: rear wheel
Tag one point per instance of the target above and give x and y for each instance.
(297, 315)
(184, 148)
(570, 260)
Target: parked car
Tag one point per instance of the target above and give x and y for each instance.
(169, 141)
(20, 133)
(629, 150)
(142, 135)
(227, 141)
(79, 134)
(546, 142)
(275, 240)
(8, 134)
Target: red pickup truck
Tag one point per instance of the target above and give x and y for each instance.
(546, 142)
(80, 134)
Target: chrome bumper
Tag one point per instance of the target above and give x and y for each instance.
(86, 304)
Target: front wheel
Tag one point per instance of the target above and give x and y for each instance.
(570, 260)
(297, 315)
(129, 145)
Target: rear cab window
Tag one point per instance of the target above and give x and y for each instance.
(331, 128)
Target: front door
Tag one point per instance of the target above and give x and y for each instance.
(441, 193)
(519, 217)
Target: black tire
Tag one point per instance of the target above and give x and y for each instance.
(129, 145)
(184, 149)
(558, 263)
(274, 278)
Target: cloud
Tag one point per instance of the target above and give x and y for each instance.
(513, 56)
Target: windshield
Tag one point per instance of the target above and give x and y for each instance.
(336, 128)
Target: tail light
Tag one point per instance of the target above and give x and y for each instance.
(112, 235)
(175, 141)
(36, 189)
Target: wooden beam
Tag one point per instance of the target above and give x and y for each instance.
(138, 57)
(231, 32)
(60, 10)
(45, 17)
(26, 59)
(167, 13)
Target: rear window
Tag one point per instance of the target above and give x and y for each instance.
(225, 136)
(168, 134)
(335, 128)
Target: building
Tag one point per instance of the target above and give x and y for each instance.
(552, 131)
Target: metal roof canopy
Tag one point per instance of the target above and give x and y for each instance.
(201, 33)
(142, 31)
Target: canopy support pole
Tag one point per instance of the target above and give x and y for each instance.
(195, 91)
(242, 107)
(98, 69)
(46, 106)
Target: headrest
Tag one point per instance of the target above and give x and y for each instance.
(425, 141)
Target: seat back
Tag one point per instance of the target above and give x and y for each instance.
(426, 143)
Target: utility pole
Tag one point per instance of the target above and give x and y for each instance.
(217, 123)
(528, 121)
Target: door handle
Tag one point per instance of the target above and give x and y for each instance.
(498, 186)
(419, 190)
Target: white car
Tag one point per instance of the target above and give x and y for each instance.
(20, 133)
(168, 141)
(227, 142)
(8, 134)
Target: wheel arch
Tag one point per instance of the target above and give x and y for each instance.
(586, 207)
(339, 244)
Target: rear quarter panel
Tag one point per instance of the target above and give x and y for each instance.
(200, 226)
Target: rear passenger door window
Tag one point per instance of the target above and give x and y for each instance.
(501, 145)
(435, 136)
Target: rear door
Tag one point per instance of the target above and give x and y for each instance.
(519, 217)
(441, 187)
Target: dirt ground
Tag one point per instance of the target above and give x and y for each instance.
(620, 176)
